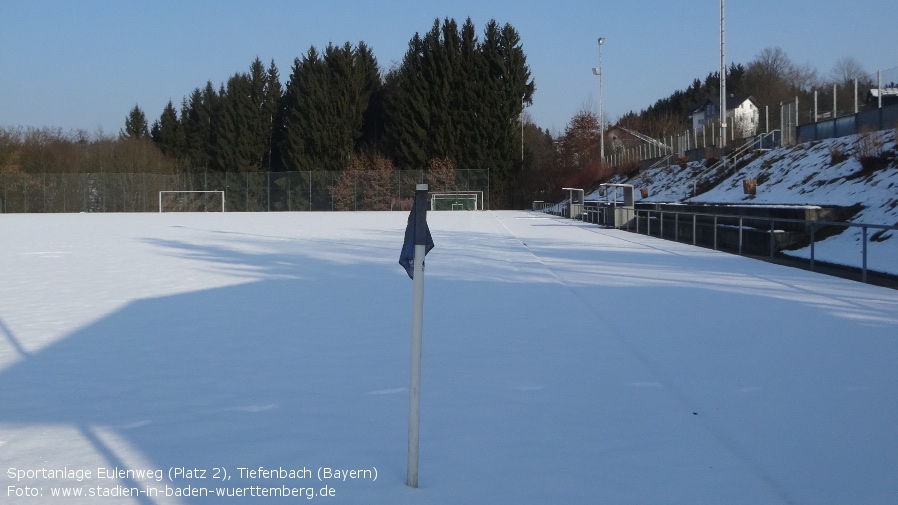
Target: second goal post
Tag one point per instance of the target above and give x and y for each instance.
(456, 200)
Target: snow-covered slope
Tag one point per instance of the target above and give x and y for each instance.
(820, 173)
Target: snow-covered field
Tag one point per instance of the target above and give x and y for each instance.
(563, 363)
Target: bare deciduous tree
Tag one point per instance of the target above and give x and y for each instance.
(847, 69)
(440, 175)
(368, 182)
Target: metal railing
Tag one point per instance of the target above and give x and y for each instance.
(738, 233)
(698, 225)
(757, 142)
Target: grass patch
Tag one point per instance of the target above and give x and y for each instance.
(868, 150)
(808, 179)
(881, 236)
(836, 155)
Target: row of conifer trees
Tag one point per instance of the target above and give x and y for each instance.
(455, 96)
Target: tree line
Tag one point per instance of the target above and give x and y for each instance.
(454, 101)
(455, 96)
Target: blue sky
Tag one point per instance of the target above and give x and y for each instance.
(84, 65)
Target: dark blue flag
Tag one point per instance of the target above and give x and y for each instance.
(412, 231)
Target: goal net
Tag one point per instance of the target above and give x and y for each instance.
(456, 200)
(191, 201)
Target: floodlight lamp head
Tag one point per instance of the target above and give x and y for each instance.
(601, 40)
(596, 71)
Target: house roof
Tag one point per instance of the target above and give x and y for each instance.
(733, 101)
(886, 92)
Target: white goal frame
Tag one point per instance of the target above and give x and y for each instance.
(172, 191)
(477, 196)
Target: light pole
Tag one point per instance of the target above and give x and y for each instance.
(598, 71)
(723, 83)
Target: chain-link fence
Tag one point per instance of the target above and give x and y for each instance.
(244, 192)
(887, 86)
(789, 121)
(830, 111)
(841, 110)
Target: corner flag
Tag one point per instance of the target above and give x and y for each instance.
(416, 233)
(417, 243)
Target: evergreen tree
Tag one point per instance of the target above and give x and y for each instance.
(233, 135)
(326, 103)
(372, 85)
(541, 178)
(273, 95)
(265, 96)
(344, 104)
(303, 128)
(247, 109)
(136, 125)
(408, 110)
(167, 132)
(441, 72)
(736, 79)
(508, 87)
(468, 101)
(456, 98)
(197, 116)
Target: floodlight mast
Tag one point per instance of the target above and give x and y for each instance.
(598, 71)
(723, 82)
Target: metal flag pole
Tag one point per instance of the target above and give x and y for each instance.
(422, 245)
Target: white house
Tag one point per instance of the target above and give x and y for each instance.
(742, 114)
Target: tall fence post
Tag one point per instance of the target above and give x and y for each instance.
(864, 248)
(676, 226)
(740, 235)
(812, 246)
(693, 230)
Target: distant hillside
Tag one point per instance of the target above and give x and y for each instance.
(828, 172)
